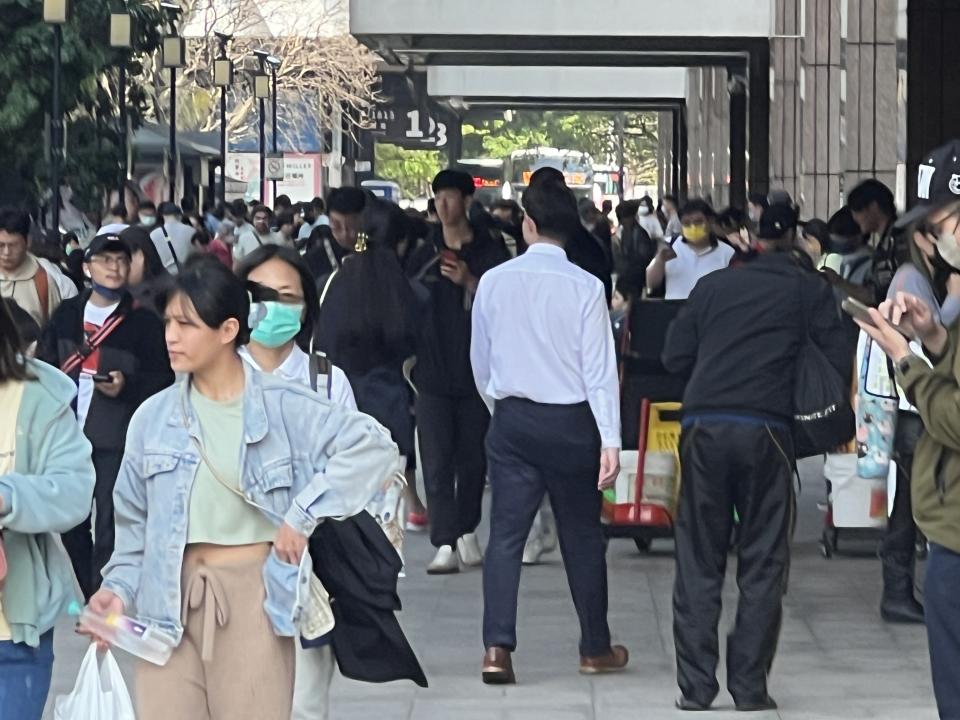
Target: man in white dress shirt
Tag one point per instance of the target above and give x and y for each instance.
(543, 359)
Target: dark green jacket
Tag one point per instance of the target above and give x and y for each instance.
(935, 481)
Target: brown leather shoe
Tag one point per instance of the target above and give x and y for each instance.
(497, 667)
(613, 661)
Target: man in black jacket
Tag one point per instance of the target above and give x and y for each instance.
(737, 339)
(451, 417)
(116, 354)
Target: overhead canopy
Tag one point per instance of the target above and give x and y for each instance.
(525, 85)
(532, 18)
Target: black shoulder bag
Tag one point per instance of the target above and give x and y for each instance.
(823, 417)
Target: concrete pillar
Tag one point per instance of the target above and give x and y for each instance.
(708, 123)
(821, 159)
(665, 156)
(785, 111)
(871, 92)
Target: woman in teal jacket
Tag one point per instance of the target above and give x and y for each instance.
(46, 487)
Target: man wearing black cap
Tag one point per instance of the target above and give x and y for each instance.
(933, 391)
(451, 416)
(117, 356)
(737, 339)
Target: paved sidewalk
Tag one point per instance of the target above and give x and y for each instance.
(836, 658)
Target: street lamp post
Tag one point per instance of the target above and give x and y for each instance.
(223, 78)
(174, 56)
(261, 90)
(274, 63)
(56, 13)
(121, 37)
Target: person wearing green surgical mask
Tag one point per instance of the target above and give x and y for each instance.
(683, 260)
(279, 345)
(281, 339)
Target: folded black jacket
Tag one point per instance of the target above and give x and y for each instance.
(359, 568)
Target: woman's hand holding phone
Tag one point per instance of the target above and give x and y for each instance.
(905, 316)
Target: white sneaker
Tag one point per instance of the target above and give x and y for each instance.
(445, 562)
(468, 547)
(532, 551)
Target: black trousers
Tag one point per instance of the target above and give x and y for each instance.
(900, 541)
(90, 552)
(554, 449)
(941, 595)
(451, 433)
(727, 466)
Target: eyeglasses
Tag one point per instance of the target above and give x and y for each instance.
(115, 262)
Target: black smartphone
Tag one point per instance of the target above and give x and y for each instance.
(102, 378)
(858, 311)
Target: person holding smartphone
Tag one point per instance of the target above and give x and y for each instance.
(932, 385)
(451, 416)
(115, 354)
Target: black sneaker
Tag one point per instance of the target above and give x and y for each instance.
(768, 703)
(686, 704)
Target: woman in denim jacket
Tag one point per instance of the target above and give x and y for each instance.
(224, 478)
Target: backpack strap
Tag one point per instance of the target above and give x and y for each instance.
(41, 281)
(320, 365)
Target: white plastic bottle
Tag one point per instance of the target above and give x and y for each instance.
(145, 641)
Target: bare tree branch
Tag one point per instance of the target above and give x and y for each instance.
(322, 67)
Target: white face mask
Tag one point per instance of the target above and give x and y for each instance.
(148, 220)
(949, 249)
(643, 211)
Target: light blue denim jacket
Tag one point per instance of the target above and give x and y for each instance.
(303, 459)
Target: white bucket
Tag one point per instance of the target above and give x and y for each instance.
(857, 502)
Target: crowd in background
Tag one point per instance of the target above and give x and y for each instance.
(369, 310)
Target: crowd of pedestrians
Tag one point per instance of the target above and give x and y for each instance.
(190, 395)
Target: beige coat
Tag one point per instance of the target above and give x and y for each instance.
(21, 287)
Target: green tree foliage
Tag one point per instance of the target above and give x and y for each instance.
(596, 133)
(412, 170)
(88, 90)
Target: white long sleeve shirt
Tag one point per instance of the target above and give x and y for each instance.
(541, 331)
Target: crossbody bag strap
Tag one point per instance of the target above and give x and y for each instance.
(91, 344)
(216, 475)
(176, 260)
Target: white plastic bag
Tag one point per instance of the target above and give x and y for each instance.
(100, 693)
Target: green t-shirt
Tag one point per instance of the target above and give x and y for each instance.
(218, 515)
